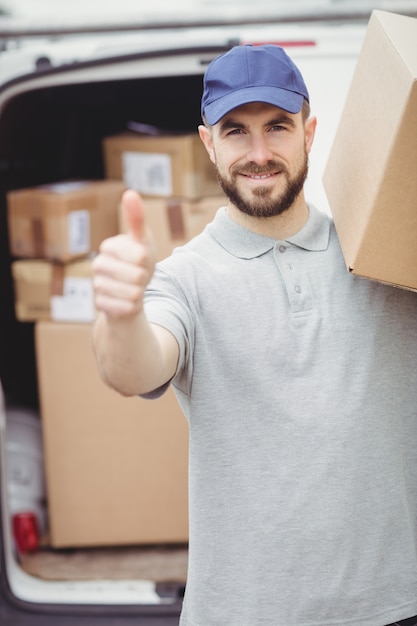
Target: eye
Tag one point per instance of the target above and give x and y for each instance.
(235, 131)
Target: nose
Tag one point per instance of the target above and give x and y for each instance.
(259, 150)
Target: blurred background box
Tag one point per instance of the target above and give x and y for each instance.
(174, 221)
(62, 221)
(166, 165)
(48, 290)
(116, 467)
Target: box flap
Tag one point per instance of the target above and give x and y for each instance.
(402, 31)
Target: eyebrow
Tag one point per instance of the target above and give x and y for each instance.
(282, 118)
(229, 123)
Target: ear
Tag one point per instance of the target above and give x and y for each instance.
(207, 139)
(310, 131)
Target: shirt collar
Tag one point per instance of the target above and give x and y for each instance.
(245, 244)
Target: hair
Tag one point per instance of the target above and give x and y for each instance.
(305, 110)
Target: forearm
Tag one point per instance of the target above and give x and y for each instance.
(133, 357)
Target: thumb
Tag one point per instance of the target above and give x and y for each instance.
(133, 214)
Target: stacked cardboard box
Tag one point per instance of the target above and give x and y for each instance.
(53, 230)
(62, 221)
(116, 468)
(174, 221)
(161, 165)
(46, 290)
(175, 178)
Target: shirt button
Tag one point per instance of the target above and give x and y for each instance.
(282, 249)
(298, 289)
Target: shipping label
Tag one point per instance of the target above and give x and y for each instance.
(148, 173)
(78, 232)
(77, 302)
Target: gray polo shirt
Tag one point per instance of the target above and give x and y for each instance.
(299, 383)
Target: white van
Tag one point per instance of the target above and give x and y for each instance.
(61, 93)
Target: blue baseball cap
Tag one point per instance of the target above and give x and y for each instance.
(251, 73)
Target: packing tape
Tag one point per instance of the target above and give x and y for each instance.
(57, 279)
(175, 219)
(38, 237)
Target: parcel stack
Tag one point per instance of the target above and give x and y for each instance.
(175, 177)
(53, 232)
(115, 468)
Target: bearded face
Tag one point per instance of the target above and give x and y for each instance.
(279, 193)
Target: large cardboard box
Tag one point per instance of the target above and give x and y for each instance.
(47, 290)
(371, 176)
(62, 221)
(116, 468)
(174, 221)
(165, 165)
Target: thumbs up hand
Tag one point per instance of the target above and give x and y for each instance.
(125, 264)
(134, 214)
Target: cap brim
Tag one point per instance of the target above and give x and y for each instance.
(287, 100)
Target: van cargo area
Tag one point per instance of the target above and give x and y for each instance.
(53, 122)
(55, 134)
(52, 132)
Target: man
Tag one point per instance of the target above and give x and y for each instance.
(298, 379)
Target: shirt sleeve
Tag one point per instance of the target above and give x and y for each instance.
(167, 305)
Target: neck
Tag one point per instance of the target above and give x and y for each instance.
(280, 226)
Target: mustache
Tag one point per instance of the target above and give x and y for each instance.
(253, 168)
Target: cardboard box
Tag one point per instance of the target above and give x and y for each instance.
(174, 221)
(47, 290)
(167, 165)
(62, 221)
(371, 177)
(116, 468)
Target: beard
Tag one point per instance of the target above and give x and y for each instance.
(261, 203)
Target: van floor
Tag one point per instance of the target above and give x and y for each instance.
(159, 563)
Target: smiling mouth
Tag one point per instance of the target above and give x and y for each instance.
(260, 176)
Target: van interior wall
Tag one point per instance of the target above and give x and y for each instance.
(54, 134)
